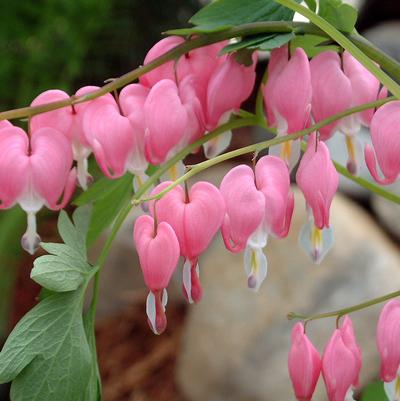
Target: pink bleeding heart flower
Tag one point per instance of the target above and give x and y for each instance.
(166, 120)
(158, 250)
(229, 86)
(318, 180)
(327, 78)
(5, 124)
(365, 88)
(386, 144)
(387, 338)
(132, 99)
(287, 97)
(195, 216)
(35, 173)
(341, 363)
(257, 204)
(111, 136)
(68, 121)
(245, 207)
(304, 363)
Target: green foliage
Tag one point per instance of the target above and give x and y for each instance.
(312, 44)
(67, 267)
(311, 4)
(260, 42)
(223, 14)
(341, 15)
(374, 392)
(50, 354)
(47, 355)
(108, 197)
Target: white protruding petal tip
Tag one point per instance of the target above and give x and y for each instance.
(187, 280)
(151, 312)
(255, 265)
(216, 146)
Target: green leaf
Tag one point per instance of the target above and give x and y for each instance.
(311, 44)
(106, 208)
(276, 41)
(196, 30)
(374, 392)
(227, 13)
(81, 218)
(60, 274)
(341, 15)
(311, 4)
(47, 354)
(246, 43)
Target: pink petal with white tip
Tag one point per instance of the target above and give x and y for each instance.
(386, 143)
(318, 180)
(272, 178)
(245, 207)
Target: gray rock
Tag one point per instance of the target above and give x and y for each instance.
(235, 342)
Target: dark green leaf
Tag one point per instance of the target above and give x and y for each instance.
(196, 30)
(106, 208)
(81, 218)
(276, 41)
(341, 15)
(47, 354)
(228, 13)
(311, 4)
(374, 392)
(246, 43)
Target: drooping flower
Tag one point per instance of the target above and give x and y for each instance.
(318, 180)
(196, 216)
(68, 121)
(327, 78)
(304, 364)
(34, 173)
(158, 250)
(110, 135)
(257, 204)
(386, 144)
(287, 97)
(341, 363)
(387, 339)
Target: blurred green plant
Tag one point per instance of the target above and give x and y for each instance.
(374, 392)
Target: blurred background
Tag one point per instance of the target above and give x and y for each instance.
(233, 346)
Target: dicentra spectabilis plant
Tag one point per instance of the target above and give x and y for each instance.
(189, 98)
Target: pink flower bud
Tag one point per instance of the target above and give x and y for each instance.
(341, 363)
(327, 78)
(195, 217)
(288, 91)
(387, 338)
(318, 180)
(166, 121)
(386, 143)
(158, 250)
(304, 364)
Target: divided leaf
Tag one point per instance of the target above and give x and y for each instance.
(341, 15)
(67, 267)
(47, 355)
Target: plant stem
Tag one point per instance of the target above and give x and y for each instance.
(255, 28)
(341, 312)
(257, 147)
(346, 43)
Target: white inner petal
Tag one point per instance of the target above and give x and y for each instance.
(187, 279)
(151, 311)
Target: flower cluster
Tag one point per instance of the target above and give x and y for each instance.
(171, 107)
(341, 361)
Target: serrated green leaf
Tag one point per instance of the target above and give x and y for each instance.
(106, 208)
(341, 15)
(311, 4)
(70, 234)
(246, 43)
(374, 392)
(62, 250)
(228, 13)
(276, 41)
(47, 354)
(60, 273)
